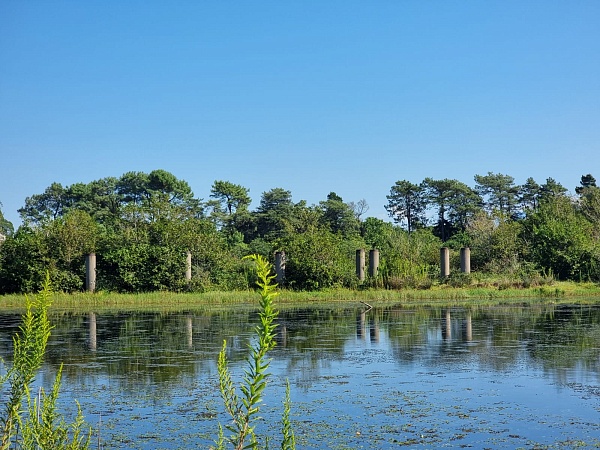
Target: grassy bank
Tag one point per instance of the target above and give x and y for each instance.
(439, 295)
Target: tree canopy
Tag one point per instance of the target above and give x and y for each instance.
(141, 226)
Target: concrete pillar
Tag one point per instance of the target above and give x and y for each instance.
(465, 260)
(280, 267)
(188, 267)
(90, 272)
(373, 263)
(444, 262)
(360, 264)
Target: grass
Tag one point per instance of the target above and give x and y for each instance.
(438, 294)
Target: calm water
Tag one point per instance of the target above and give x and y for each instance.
(502, 377)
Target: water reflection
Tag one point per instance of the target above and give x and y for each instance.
(162, 346)
(158, 354)
(92, 327)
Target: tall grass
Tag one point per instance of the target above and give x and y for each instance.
(488, 289)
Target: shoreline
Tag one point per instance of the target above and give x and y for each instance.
(438, 295)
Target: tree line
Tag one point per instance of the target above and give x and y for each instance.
(141, 225)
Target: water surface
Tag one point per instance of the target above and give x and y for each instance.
(493, 377)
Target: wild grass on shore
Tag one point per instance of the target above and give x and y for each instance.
(439, 295)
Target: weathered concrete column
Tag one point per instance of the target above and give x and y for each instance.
(92, 330)
(465, 260)
(360, 264)
(373, 262)
(90, 272)
(188, 266)
(280, 266)
(444, 262)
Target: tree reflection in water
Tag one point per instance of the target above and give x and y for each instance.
(392, 372)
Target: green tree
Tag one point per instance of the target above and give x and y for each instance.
(72, 236)
(590, 207)
(376, 232)
(529, 194)
(496, 244)
(57, 247)
(231, 197)
(552, 188)
(6, 227)
(455, 203)
(587, 181)
(407, 205)
(275, 209)
(561, 239)
(156, 194)
(100, 199)
(164, 184)
(24, 259)
(338, 216)
(151, 195)
(132, 187)
(499, 191)
(230, 213)
(409, 259)
(316, 258)
(46, 206)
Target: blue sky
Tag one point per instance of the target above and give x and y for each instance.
(312, 96)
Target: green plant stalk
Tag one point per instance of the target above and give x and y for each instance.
(46, 429)
(43, 427)
(244, 409)
(29, 349)
(289, 439)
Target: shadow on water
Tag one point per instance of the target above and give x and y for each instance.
(497, 377)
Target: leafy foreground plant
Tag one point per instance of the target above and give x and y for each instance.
(244, 409)
(42, 427)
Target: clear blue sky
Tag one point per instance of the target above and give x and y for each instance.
(310, 96)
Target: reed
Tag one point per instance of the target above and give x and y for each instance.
(483, 290)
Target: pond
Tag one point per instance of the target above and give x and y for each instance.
(388, 377)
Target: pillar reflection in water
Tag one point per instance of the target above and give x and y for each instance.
(468, 328)
(283, 336)
(361, 329)
(374, 329)
(92, 331)
(448, 326)
(189, 331)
